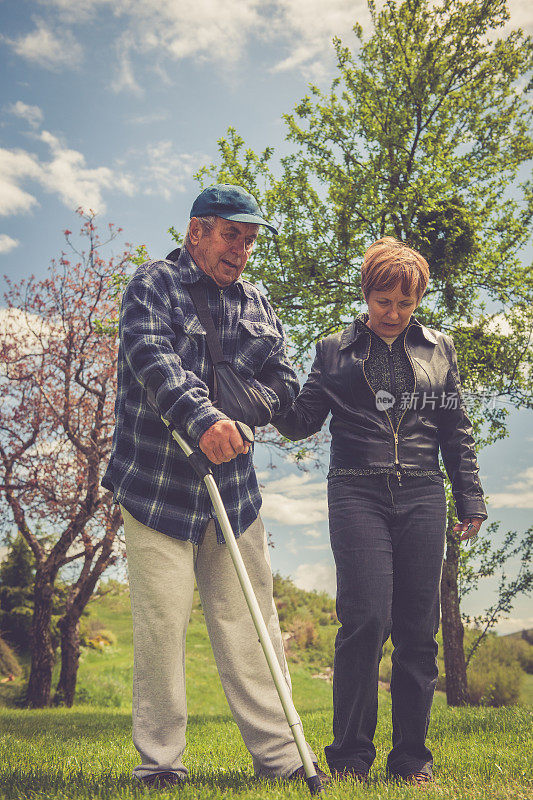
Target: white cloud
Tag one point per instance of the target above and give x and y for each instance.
(316, 577)
(293, 511)
(125, 77)
(211, 29)
(166, 171)
(295, 500)
(48, 49)
(159, 170)
(27, 332)
(65, 174)
(207, 30)
(219, 31)
(28, 329)
(517, 495)
(16, 166)
(31, 114)
(514, 624)
(521, 12)
(7, 244)
(72, 12)
(296, 545)
(310, 25)
(313, 533)
(149, 119)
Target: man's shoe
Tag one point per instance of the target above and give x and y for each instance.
(162, 780)
(299, 775)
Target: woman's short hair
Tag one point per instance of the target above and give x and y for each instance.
(388, 263)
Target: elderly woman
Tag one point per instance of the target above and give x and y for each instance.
(392, 387)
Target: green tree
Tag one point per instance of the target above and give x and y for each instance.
(486, 560)
(423, 135)
(17, 574)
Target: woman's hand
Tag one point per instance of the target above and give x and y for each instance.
(469, 527)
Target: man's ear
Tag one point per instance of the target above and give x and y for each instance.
(195, 231)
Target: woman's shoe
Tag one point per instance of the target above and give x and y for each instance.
(420, 779)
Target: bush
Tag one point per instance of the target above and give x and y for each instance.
(9, 664)
(494, 684)
(303, 631)
(523, 652)
(94, 635)
(308, 622)
(495, 674)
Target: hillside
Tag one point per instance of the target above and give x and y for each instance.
(526, 634)
(105, 675)
(309, 625)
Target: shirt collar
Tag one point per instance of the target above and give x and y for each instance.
(190, 272)
(359, 326)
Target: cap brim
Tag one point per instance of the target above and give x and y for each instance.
(253, 218)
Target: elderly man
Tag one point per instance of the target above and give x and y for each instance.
(172, 535)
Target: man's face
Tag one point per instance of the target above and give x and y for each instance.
(222, 252)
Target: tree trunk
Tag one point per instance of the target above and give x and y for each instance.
(69, 625)
(42, 652)
(452, 626)
(80, 595)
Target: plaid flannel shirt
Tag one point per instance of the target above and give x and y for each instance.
(159, 330)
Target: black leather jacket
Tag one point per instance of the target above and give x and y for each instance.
(364, 436)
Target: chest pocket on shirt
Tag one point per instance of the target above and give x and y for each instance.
(189, 335)
(256, 342)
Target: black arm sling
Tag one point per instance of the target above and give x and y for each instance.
(233, 395)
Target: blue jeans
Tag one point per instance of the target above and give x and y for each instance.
(388, 543)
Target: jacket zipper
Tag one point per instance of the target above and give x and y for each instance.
(396, 432)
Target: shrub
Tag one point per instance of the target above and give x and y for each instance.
(9, 664)
(303, 632)
(495, 674)
(523, 652)
(94, 635)
(16, 594)
(494, 684)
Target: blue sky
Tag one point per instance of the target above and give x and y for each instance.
(114, 106)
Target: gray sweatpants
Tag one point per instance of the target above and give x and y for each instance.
(161, 574)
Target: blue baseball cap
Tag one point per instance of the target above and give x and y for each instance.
(229, 202)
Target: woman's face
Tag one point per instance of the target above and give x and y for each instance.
(389, 312)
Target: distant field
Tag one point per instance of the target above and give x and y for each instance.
(86, 752)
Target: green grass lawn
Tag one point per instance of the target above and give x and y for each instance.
(527, 691)
(86, 752)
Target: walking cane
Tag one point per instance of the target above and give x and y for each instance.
(200, 464)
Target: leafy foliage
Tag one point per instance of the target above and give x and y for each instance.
(496, 673)
(16, 593)
(17, 575)
(485, 559)
(57, 391)
(308, 622)
(9, 665)
(422, 136)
